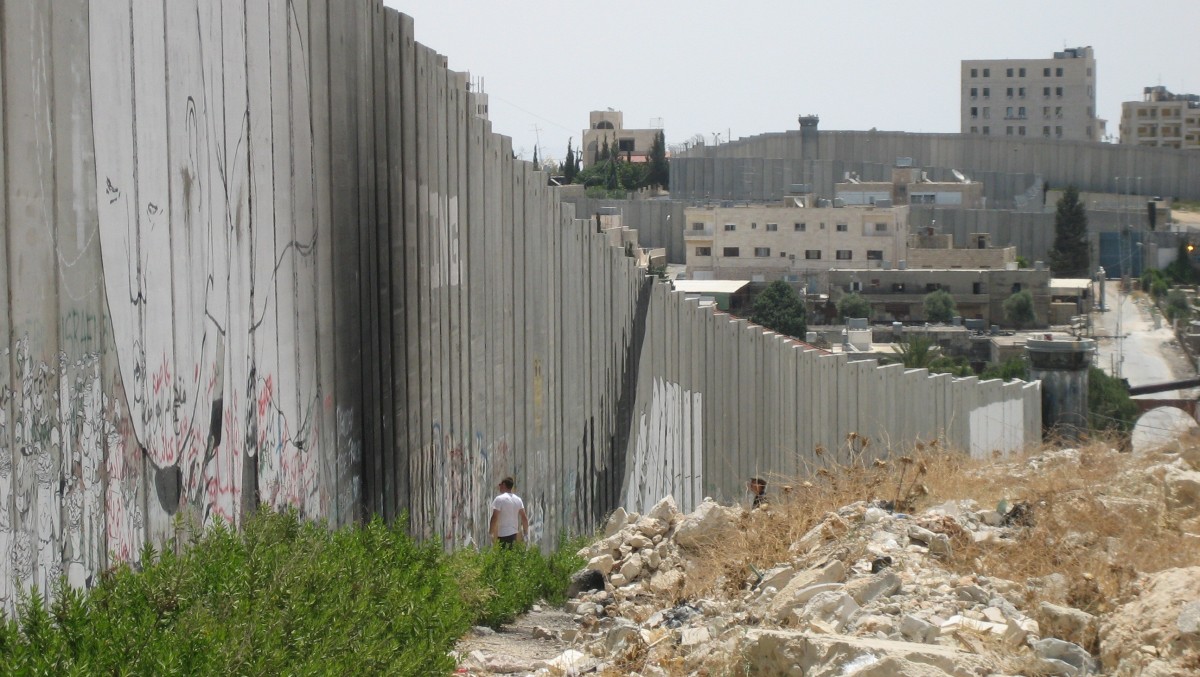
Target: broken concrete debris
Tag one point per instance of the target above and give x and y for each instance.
(865, 592)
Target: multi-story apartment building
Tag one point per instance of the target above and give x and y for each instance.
(794, 243)
(1162, 119)
(1049, 98)
(609, 125)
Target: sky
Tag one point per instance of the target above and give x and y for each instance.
(737, 69)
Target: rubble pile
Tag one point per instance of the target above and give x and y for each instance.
(867, 591)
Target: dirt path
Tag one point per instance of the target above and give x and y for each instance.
(516, 648)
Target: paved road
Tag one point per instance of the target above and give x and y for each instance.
(1145, 354)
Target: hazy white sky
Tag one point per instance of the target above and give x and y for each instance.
(753, 66)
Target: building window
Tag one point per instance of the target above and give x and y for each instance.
(987, 92)
(762, 252)
(1058, 131)
(976, 287)
(772, 227)
(1022, 72)
(1046, 130)
(753, 225)
(1045, 111)
(812, 254)
(974, 92)
(1008, 72)
(1058, 72)
(703, 251)
(625, 145)
(987, 129)
(974, 130)
(974, 112)
(730, 227)
(974, 72)
(730, 252)
(1008, 91)
(874, 254)
(844, 255)
(1058, 91)
(1016, 287)
(697, 226)
(841, 228)
(1009, 130)
(987, 112)
(1046, 92)
(783, 255)
(1045, 72)
(987, 72)
(1021, 130)
(881, 228)
(1008, 112)
(1021, 112)
(1021, 92)
(800, 227)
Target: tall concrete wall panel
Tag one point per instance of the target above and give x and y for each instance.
(265, 253)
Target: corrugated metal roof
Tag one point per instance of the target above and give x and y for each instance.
(1070, 283)
(710, 286)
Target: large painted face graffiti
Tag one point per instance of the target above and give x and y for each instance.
(193, 244)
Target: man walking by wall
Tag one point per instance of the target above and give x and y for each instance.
(508, 516)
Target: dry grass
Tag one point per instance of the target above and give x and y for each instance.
(1098, 521)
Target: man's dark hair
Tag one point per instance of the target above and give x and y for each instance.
(758, 482)
(507, 483)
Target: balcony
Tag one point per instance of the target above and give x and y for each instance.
(698, 234)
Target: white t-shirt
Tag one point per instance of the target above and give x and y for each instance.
(510, 507)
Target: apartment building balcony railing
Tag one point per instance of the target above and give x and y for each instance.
(693, 233)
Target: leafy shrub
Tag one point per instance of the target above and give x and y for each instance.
(853, 305)
(1012, 368)
(939, 306)
(282, 596)
(1109, 404)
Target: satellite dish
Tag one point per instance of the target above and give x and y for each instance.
(959, 175)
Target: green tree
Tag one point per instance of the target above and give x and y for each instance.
(536, 163)
(917, 352)
(1070, 256)
(1012, 368)
(853, 305)
(779, 308)
(1178, 306)
(1018, 309)
(603, 151)
(569, 168)
(1109, 404)
(612, 173)
(659, 174)
(1180, 271)
(940, 306)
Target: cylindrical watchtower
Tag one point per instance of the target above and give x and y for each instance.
(1062, 367)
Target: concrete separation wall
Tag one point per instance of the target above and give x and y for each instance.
(264, 253)
(760, 166)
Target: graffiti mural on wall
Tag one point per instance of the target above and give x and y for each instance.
(193, 309)
(669, 453)
(62, 412)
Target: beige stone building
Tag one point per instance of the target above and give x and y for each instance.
(1048, 98)
(609, 125)
(794, 243)
(909, 186)
(931, 250)
(899, 295)
(1162, 119)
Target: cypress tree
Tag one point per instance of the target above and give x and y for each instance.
(1070, 256)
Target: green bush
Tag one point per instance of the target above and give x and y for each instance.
(1109, 404)
(1012, 368)
(282, 596)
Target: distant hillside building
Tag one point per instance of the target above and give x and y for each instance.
(1162, 119)
(1048, 98)
(909, 186)
(792, 241)
(633, 144)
